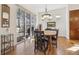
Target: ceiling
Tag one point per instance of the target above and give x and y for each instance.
(41, 7)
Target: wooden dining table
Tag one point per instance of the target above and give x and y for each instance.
(49, 34)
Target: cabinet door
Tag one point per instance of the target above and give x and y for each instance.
(74, 24)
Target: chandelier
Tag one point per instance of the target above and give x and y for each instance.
(46, 15)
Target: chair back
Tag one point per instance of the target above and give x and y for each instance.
(56, 33)
(38, 34)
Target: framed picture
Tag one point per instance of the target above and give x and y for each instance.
(51, 24)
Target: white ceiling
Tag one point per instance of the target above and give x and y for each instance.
(41, 7)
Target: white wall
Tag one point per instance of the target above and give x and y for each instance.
(67, 23)
(12, 28)
(61, 23)
(73, 6)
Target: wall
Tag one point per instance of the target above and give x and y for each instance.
(61, 23)
(67, 22)
(12, 28)
(73, 6)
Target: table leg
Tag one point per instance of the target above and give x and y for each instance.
(49, 46)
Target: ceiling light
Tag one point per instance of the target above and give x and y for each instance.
(46, 15)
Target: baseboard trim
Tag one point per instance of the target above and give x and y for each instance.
(62, 37)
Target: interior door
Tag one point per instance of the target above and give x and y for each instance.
(74, 24)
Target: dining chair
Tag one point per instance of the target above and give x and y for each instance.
(55, 37)
(41, 42)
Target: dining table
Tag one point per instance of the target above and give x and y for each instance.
(49, 34)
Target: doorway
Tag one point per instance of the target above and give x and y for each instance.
(74, 24)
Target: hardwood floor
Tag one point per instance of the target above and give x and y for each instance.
(27, 48)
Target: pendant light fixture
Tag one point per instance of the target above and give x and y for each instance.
(46, 15)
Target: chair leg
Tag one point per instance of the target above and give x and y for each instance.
(36, 48)
(56, 44)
